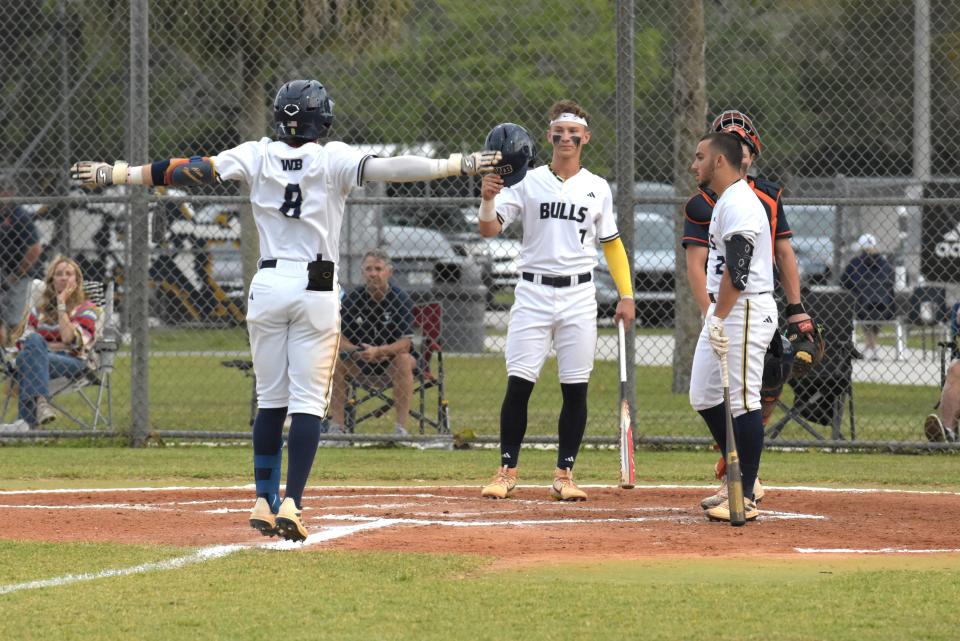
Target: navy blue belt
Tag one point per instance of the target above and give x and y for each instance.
(269, 263)
(558, 281)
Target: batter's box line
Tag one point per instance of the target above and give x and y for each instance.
(767, 516)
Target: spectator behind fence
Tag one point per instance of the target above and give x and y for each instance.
(19, 250)
(54, 340)
(870, 278)
(941, 425)
(376, 324)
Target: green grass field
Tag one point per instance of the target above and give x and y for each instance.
(317, 594)
(195, 392)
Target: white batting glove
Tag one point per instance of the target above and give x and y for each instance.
(719, 341)
(479, 162)
(90, 173)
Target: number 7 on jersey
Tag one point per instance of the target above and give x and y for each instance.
(627, 474)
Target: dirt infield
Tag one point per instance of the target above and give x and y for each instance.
(647, 521)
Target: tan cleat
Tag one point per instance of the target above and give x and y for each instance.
(564, 489)
(721, 495)
(722, 511)
(502, 485)
(262, 519)
(716, 499)
(289, 523)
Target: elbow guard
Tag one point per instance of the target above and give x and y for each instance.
(198, 170)
(739, 254)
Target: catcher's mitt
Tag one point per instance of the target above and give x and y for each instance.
(806, 336)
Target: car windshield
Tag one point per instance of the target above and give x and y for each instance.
(653, 233)
(811, 220)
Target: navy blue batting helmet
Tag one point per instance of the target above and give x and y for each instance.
(518, 149)
(302, 110)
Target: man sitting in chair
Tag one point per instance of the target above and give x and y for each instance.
(55, 340)
(941, 425)
(376, 324)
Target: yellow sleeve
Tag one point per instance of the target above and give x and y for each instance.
(619, 267)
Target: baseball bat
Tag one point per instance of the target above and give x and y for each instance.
(734, 478)
(627, 473)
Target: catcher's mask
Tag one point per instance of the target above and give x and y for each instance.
(777, 363)
(518, 149)
(739, 123)
(302, 111)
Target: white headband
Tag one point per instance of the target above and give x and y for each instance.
(568, 117)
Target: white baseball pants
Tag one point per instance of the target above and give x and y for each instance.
(565, 315)
(294, 336)
(750, 327)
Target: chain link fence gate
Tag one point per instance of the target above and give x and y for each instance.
(856, 102)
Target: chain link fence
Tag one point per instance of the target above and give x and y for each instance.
(857, 104)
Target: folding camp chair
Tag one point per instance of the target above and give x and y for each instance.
(105, 349)
(377, 394)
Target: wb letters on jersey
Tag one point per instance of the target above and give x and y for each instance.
(563, 211)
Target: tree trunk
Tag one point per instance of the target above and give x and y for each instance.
(689, 118)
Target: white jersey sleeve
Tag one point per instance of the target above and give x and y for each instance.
(607, 224)
(346, 165)
(239, 163)
(509, 204)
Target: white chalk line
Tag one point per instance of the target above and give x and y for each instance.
(673, 518)
(876, 551)
(200, 556)
(328, 488)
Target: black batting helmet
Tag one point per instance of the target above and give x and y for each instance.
(739, 123)
(302, 110)
(518, 149)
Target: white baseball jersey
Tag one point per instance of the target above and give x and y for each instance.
(739, 211)
(298, 193)
(562, 220)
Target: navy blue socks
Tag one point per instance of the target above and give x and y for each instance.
(268, 453)
(301, 449)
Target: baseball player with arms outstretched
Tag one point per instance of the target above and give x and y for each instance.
(564, 209)
(298, 190)
(741, 317)
(801, 328)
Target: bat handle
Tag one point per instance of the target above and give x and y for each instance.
(724, 371)
(623, 351)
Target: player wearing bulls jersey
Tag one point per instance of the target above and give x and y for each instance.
(564, 210)
(298, 190)
(741, 318)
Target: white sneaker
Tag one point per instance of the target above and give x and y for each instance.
(45, 413)
(18, 425)
(400, 430)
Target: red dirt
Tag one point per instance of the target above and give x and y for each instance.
(595, 529)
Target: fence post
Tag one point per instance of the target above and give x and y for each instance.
(625, 165)
(138, 265)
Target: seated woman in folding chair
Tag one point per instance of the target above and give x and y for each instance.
(54, 341)
(376, 324)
